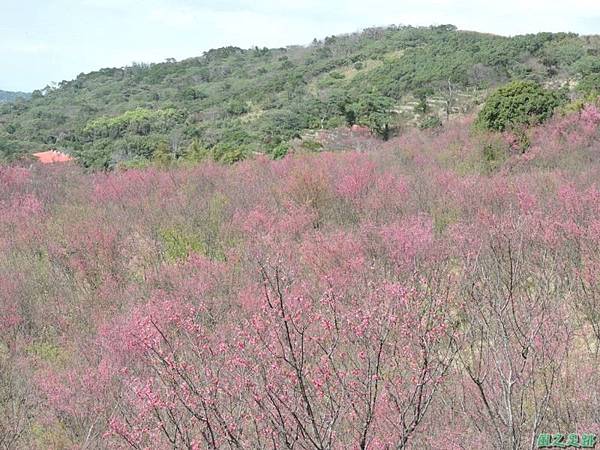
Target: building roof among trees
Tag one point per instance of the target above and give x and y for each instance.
(52, 156)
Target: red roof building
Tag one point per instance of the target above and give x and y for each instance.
(52, 156)
(360, 129)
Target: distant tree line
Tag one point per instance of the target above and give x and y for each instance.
(232, 102)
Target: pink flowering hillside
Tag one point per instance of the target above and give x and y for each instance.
(441, 291)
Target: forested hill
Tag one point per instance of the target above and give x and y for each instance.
(231, 102)
(7, 96)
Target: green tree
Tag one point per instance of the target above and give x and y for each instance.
(519, 103)
(9, 151)
(376, 112)
(237, 108)
(430, 122)
(229, 154)
(280, 150)
(162, 156)
(589, 86)
(422, 106)
(196, 152)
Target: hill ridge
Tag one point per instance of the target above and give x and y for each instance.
(232, 102)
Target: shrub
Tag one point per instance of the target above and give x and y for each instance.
(311, 145)
(228, 154)
(237, 108)
(178, 244)
(493, 157)
(430, 122)
(590, 85)
(195, 152)
(518, 103)
(280, 151)
(375, 111)
(138, 122)
(9, 150)
(162, 155)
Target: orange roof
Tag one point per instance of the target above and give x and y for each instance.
(52, 156)
(360, 128)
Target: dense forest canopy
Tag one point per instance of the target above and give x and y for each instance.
(231, 102)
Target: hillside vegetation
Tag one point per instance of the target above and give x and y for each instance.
(232, 102)
(440, 291)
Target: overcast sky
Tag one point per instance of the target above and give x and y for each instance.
(43, 41)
